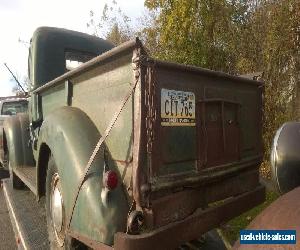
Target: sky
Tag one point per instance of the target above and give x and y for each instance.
(19, 19)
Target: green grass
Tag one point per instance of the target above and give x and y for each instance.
(231, 230)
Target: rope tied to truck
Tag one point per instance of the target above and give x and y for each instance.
(136, 61)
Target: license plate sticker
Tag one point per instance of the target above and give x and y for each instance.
(177, 108)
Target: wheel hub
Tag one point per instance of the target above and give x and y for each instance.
(57, 212)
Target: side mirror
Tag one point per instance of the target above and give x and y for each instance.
(285, 157)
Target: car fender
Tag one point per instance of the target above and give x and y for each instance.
(282, 214)
(17, 137)
(71, 137)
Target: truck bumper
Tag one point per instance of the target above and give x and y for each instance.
(192, 227)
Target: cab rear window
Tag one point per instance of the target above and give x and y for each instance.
(76, 58)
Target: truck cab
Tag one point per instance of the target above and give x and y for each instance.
(131, 152)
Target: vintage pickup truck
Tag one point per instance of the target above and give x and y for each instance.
(8, 107)
(132, 152)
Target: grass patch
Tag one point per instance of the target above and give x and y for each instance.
(231, 230)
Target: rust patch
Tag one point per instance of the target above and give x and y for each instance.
(172, 206)
(192, 227)
(176, 206)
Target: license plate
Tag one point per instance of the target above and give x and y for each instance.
(177, 108)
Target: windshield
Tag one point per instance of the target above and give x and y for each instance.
(12, 108)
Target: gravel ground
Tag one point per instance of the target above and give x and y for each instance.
(7, 237)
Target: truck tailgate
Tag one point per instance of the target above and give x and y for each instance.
(204, 140)
(204, 120)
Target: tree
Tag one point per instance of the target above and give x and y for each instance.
(237, 37)
(113, 24)
(197, 32)
(273, 50)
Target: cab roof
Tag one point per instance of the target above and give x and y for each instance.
(46, 59)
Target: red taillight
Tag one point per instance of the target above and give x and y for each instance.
(110, 179)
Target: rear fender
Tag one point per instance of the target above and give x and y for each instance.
(71, 137)
(16, 134)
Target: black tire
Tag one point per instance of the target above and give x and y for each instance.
(57, 240)
(15, 180)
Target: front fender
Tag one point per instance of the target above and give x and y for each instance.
(16, 130)
(71, 137)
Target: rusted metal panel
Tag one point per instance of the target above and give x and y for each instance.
(170, 206)
(89, 242)
(282, 214)
(175, 149)
(206, 72)
(221, 127)
(235, 185)
(192, 227)
(203, 156)
(208, 175)
(176, 206)
(140, 187)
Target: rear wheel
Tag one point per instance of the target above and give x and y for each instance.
(55, 211)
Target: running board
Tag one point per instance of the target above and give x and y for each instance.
(28, 175)
(28, 217)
